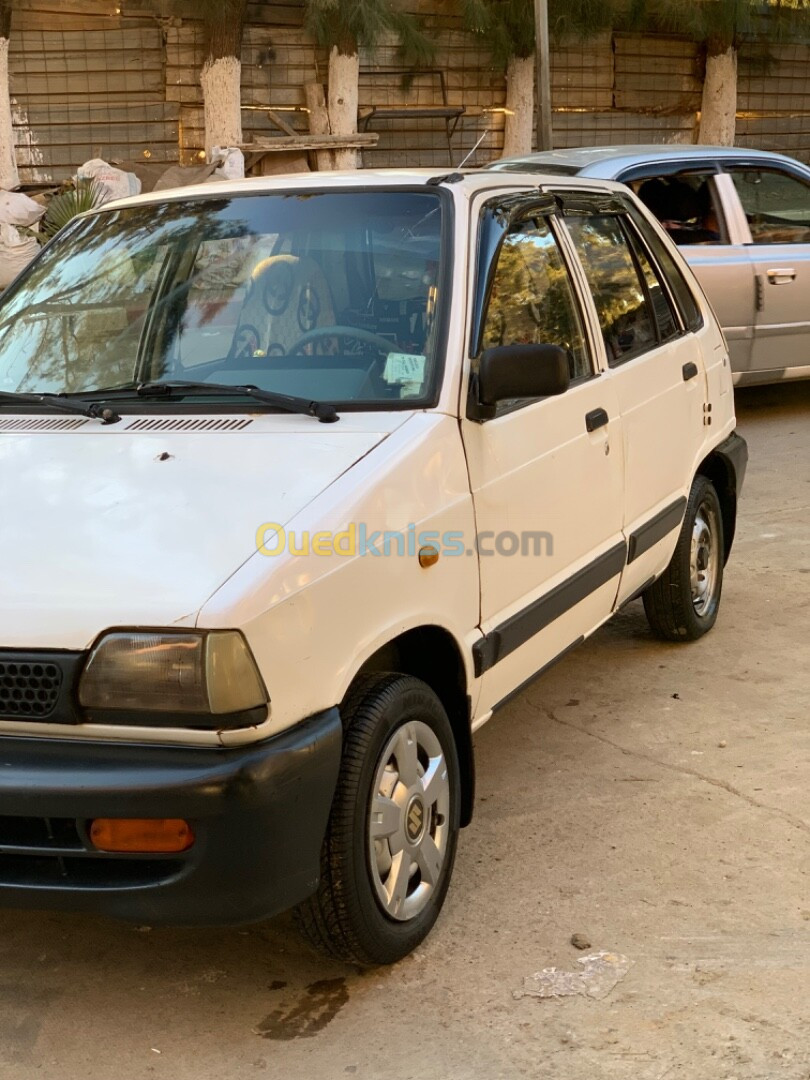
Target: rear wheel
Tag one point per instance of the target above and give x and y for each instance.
(682, 604)
(391, 839)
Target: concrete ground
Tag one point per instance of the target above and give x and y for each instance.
(653, 798)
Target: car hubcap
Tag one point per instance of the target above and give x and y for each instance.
(704, 558)
(409, 821)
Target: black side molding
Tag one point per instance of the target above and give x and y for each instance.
(536, 675)
(520, 627)
(643, 538)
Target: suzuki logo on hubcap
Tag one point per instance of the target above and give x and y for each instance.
(415, 819)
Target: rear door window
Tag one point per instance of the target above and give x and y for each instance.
(619, 294)
(681, 291)
(687, 205)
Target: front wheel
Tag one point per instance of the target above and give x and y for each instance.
(391, 839)
(682, 604)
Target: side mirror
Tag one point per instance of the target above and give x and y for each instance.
(518, 371)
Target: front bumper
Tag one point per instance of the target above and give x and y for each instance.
(259, 815)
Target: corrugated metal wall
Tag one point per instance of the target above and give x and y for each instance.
(120, 79)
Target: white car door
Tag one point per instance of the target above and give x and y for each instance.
(546, 475)
(657, 368)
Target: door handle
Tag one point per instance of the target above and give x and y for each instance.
(595, 419)
(781, 275)
(689, 371)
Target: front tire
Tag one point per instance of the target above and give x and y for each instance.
(391, 840)
(682, 604)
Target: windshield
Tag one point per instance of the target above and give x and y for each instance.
(324, 296)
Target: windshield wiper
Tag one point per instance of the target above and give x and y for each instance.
(64, 402)
(322, 411)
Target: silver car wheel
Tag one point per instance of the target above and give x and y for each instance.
(409, 821)
(704, 559)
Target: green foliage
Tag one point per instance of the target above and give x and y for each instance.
(582, 19)
(353, 24)
(722, 24)
(84, 195)
(508, 25)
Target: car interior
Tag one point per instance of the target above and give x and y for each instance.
(687, 207)
(309, 314)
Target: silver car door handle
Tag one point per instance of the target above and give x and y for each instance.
(781, 275)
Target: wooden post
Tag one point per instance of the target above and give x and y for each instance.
(319, 123)
(544, 134)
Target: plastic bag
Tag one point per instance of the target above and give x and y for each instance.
(598, 975)
(16, 248)
(233, 162)
(18, 209)
(118, 183)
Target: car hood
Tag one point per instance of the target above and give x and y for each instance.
(139, 523)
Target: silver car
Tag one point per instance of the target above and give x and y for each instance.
(742, 220)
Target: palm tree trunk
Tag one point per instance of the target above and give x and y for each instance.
(718, 111)
(221, 76)
(519, 126)
(344, 76)
(9, 178)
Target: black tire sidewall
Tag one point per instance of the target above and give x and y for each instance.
(698, 624)
(386, 939)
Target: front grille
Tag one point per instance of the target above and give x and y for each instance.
(67, 872)
(29, 689)
(39, 685)
(35, 832)
(54, 852)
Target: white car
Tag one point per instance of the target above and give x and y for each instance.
(302, 479)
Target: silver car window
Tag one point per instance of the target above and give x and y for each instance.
(776, 204)
(687, 205)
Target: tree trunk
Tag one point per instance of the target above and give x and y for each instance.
(222, 97)
(9, 179)
(318, 122)
(221, 76)
(344, 75)
(519, 126)
(718, 111)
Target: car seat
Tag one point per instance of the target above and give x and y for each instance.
(287, 296)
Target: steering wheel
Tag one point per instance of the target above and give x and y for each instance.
(355, 332)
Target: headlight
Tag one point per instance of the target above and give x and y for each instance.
(180, 678)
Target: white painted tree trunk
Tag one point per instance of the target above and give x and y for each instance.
(9, 178)
(318, 122)
(718, 112)
(222, 98)
(519, 127)
(344, 76)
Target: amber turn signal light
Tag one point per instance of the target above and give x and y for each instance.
(428, 556)
(144, 835)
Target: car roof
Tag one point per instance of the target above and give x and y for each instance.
(609, 162)
(466, 182)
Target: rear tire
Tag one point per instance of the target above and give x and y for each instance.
(682, 604)
(390, 844)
